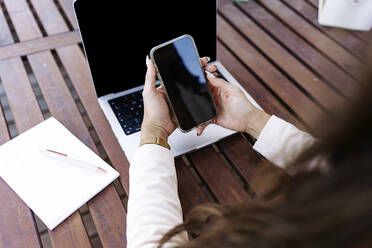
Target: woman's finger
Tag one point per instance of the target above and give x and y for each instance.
(150, 79)
(215, 81)
(205, 60)
(210, 68)
(200, 130)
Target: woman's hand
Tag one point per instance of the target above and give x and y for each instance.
(157, 120)
(235, 111)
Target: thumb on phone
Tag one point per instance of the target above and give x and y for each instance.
(200, 130)
(214, 81)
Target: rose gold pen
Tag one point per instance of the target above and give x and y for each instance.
(68, 159)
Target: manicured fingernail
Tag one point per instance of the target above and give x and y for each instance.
(147, 60)
(208, 59)
(210, 74)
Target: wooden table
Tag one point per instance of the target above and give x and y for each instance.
(293, 68)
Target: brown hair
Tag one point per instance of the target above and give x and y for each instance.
(332, 209)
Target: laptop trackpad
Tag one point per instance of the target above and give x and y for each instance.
(186, 142)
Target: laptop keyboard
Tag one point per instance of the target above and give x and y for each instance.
(128, 110)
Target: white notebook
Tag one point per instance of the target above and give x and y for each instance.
(349, 14)
(52, 188)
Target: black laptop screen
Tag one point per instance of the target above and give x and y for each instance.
(117, 37)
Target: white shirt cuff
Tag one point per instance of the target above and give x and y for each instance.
(281, 142)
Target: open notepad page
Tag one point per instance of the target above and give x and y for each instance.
(52, 188)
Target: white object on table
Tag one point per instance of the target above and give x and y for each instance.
(349, 14)
(51, 188)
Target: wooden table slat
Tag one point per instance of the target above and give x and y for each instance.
(366, 36)
(326, 45)
(17, 226)
(77, 224)
(70, 233)
(342, 36)
(214, 171)
(39, 45)
(313, 2)
(297, 100)
(51, 19)
(76, 66)
(335, 76)
(17, 87)
(5, 34)
(189, 190)
(78, 71)
(293, 67)
(110, 217)
(4, 133)
(252, 167)
(237, 149)
(23, 20)
(68, 9)
(62, 106)
(22, 232)
(24, 120)
(326, 96)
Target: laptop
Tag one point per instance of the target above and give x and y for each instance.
(116, 39)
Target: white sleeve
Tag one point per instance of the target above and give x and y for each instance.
(153, 205)
(281, 142)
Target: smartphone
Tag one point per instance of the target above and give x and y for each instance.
(181, 74)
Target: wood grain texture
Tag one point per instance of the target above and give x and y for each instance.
(4, 133)
(342, 82)
(314, 3)
(68, 9)
(39, 45)
(189, 190)
(5, 34)
(20, 94)
(281, 85)
(320, 91)
(78, 71)
(263, 178)
(76, 66)
(237, 149)
(70, 233)
(110, 217)
(326, 45)
(17, 225)
(342, 36)
(47, 72)
(223, 184)
(220, 3)
(291, 66)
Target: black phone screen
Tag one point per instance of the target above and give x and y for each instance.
(185, 82)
